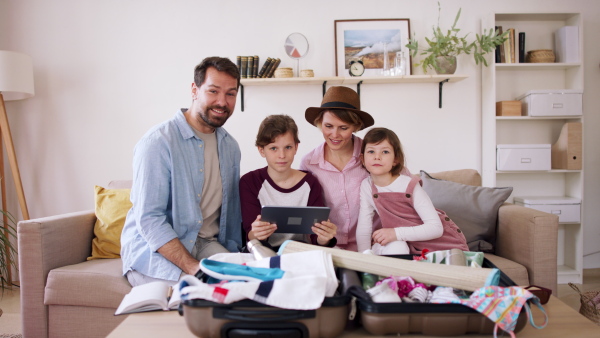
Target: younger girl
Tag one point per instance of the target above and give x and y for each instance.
(410, 221)
(278, 184)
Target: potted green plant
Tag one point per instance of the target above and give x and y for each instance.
(443, 47)
(8, 252)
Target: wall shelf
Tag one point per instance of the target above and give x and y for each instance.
(537, 171)
(533, 118)
(536, 66)
(358, 81)
(336, 80)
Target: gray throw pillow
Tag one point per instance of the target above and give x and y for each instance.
(473, 209)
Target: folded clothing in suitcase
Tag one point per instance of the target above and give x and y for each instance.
(247, 318)
(427, 318)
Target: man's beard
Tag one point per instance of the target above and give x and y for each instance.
(214, 121)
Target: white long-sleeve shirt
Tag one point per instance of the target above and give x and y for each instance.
(430, 229)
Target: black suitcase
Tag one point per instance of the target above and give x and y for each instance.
(248, 318)
(429, 319)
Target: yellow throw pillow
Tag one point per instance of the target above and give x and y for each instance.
(112, 206)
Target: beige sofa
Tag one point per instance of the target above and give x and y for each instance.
(63, 295)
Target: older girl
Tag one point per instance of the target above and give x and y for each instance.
(278, 184)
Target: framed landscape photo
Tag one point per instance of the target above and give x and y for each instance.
(365, 39)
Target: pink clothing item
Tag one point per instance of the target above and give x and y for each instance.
(341, 190)
(397, 210)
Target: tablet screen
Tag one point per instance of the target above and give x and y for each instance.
(294, 220)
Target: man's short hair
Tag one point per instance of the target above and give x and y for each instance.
(273, 126)
(219, 63)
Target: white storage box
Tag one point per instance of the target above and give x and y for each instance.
(566, 42)
(523, 157)
(568, 209)
(552, 102)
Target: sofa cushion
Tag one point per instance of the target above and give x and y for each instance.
(515, 271)
(474, 209)
(464, 176)
(95, 283)
(112, 206)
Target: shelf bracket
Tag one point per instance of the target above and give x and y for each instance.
(358, 88)
(324, 87)
(242, 87)
(440, 93)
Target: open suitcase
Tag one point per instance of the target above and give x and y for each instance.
(429, 319)
(248, 318)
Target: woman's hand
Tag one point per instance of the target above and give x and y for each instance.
(384, 236)
(325, 231)
(261, 230)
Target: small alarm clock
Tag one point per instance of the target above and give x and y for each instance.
(357, 68)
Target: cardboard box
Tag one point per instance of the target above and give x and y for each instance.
(552, 102)
(508, 108)
(567, 152)
(517, 157)
(568, 209)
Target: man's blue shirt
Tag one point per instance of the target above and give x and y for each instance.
(168, 165)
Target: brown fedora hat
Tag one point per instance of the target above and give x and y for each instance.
(343, 98)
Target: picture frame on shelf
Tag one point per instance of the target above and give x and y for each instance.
(364, 39)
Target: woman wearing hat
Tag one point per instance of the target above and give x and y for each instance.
(336, 163)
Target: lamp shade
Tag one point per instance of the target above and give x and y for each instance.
(16, 76)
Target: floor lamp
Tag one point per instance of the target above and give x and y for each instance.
(16, 83)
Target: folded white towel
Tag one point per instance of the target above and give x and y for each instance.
(307, 278)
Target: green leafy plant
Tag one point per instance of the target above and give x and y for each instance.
(451, 44)
(8, 253)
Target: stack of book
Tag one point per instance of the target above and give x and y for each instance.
(513, 49)
(248, 66)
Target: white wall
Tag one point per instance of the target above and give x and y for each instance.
(106, 71)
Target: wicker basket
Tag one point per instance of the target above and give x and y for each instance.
(540, 56)
(590, 304)
(283, 72)
(307, 73)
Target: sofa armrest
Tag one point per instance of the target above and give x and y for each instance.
(45, 244)
(529, 237)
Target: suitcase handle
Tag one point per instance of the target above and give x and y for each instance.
(262, 316)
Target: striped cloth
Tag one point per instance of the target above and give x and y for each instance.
(502, 305)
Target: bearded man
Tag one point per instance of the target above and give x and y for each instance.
(185, 190)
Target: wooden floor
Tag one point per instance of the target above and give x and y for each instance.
(10, 303)
(10, 321)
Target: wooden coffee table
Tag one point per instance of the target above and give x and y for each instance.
(563, 322)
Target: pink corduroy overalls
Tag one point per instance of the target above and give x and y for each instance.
(396, 209)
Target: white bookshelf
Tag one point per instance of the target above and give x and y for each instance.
(503, 82)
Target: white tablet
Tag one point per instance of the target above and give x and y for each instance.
(294, 220)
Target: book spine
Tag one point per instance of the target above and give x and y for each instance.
(503, 49)
(522, 47)
(244, 67)
(512, 45)
(239, 63)
(250, 67)
(275, 65)
(507, 44)
(271, 65)
(255, 67)
(498, 58)
(265, 66)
